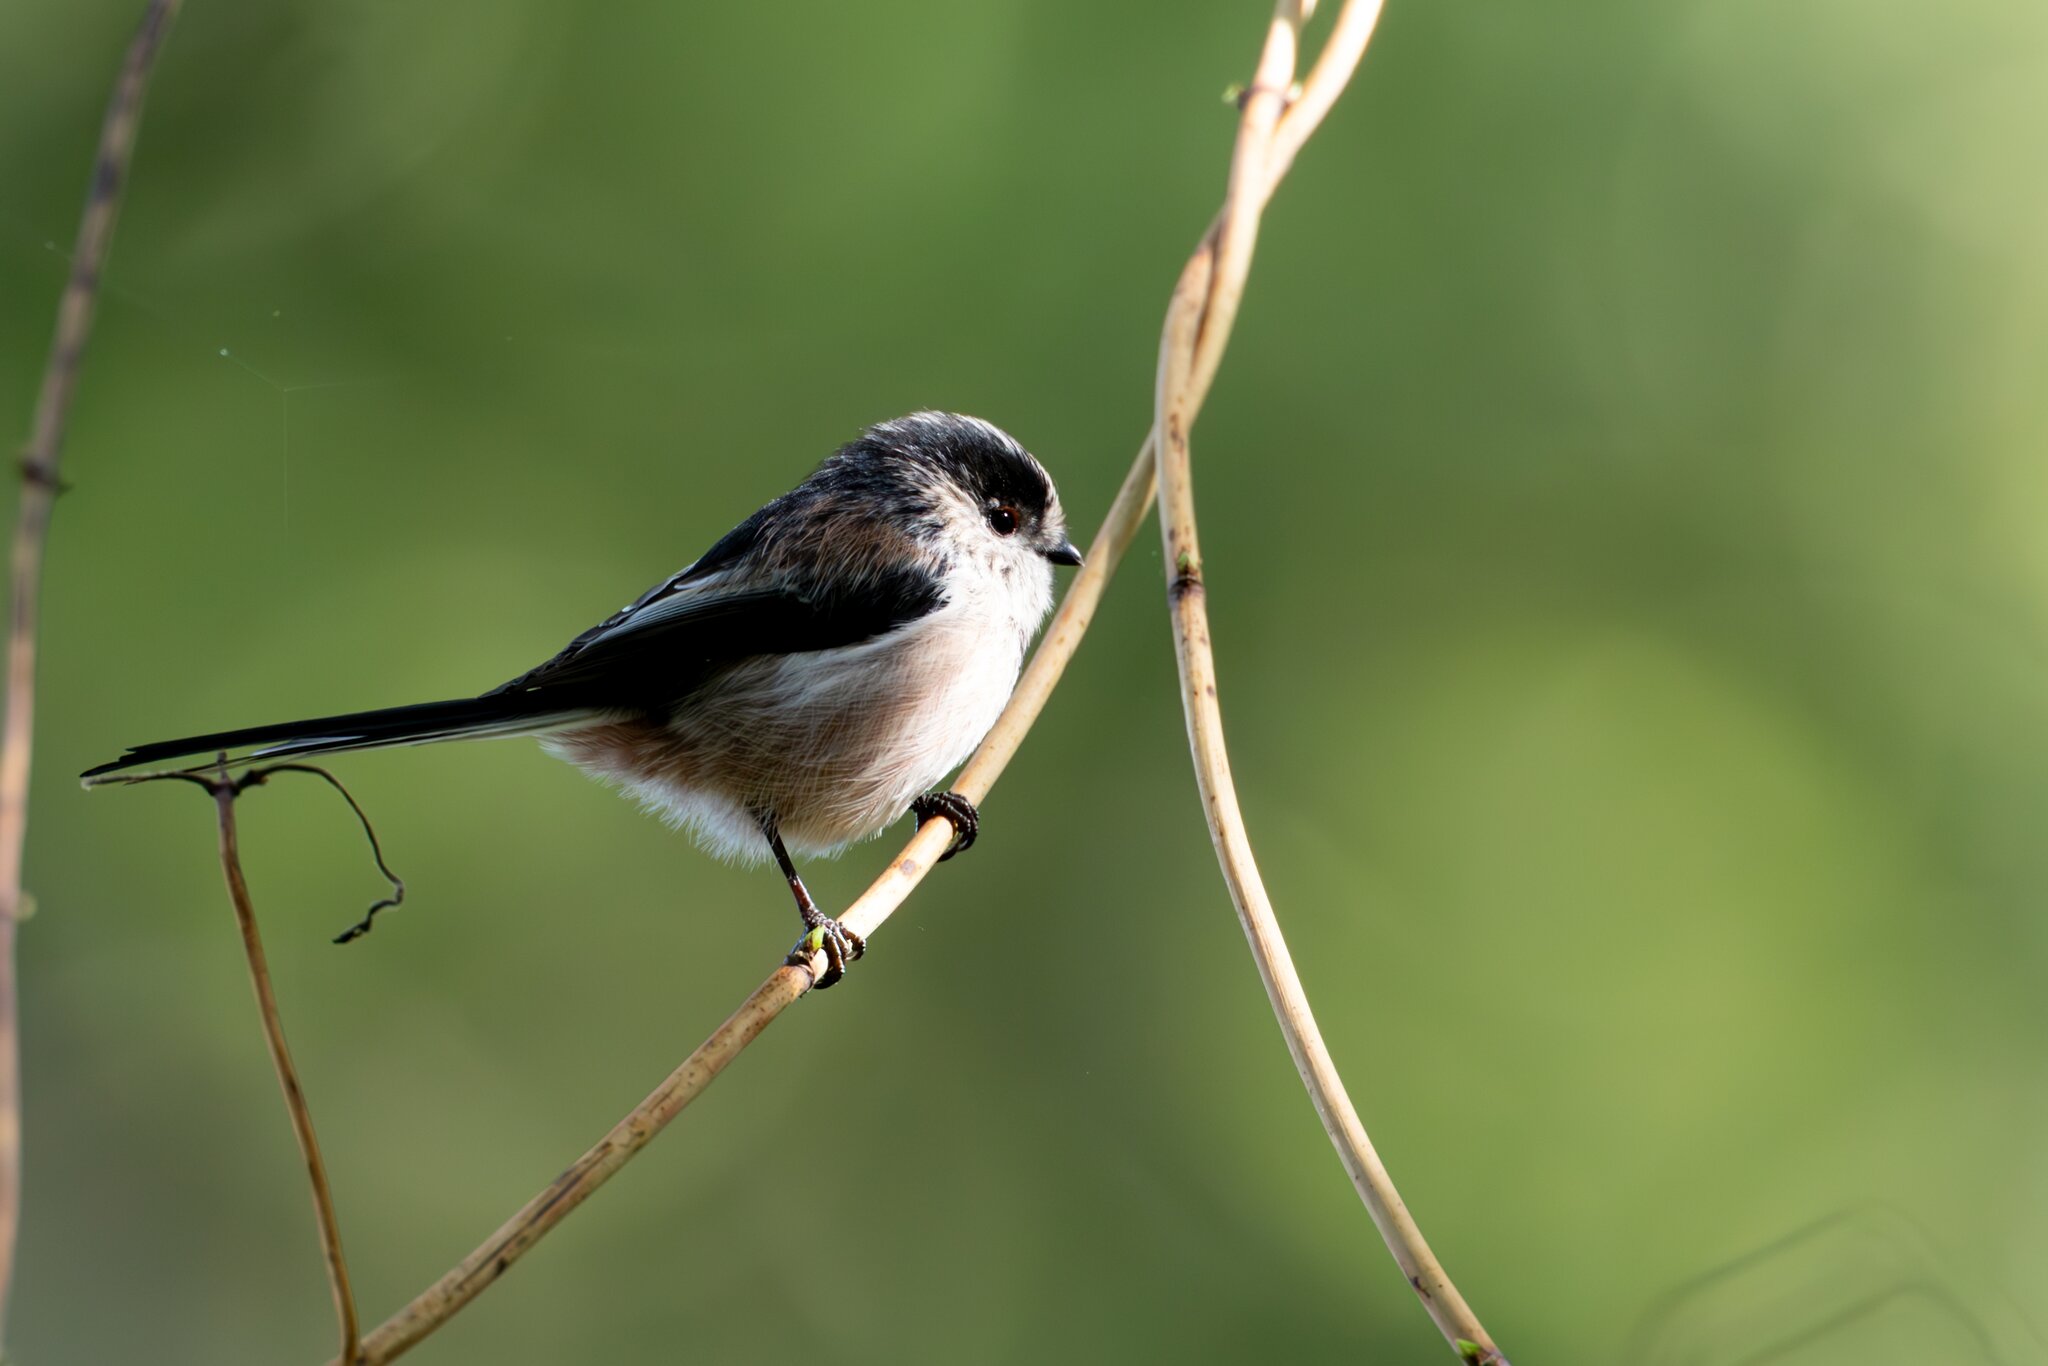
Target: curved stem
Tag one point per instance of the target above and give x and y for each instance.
(1197, 326)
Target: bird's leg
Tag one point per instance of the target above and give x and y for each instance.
(840, 945)
(966, 821)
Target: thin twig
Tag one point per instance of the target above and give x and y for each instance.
(224, 787)
(1197, 324)
(496, 1255)
(287, 1075)
(397, 897)
(257, 777)
(40, 465)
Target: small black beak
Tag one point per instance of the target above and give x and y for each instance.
(1065, 553)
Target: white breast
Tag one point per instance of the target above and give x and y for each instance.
(836, 743)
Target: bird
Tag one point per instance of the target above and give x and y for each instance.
(799, 685)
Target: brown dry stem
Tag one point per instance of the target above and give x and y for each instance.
(40, 465)
(224, 788)
(1197, 326)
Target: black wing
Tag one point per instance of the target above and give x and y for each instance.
(648, 655)
(665, 644)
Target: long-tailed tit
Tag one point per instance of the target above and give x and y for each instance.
(801, 684)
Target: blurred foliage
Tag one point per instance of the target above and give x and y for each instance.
(1625, 500)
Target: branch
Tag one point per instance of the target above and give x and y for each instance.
(224, 794)
(1251, 184)
(40, 462)
(224, 789)
(1197, 326)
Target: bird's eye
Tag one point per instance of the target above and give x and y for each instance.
(1003, 519)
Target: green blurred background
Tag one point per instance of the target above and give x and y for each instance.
(1625, 504)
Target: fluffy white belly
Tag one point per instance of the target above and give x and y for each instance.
(834, 743)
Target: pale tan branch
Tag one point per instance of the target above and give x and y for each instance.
(495, 1255)
(1237, 225)
(1198, 323)
(1342, 51)
(40, 465)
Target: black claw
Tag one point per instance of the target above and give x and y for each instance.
(822, 934)
(840, 945)
(958, 811)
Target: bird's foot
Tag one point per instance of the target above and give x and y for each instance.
(839, 945)
(966, 821)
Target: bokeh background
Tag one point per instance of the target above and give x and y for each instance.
(1625, 502)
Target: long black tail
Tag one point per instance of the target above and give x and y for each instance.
(461, 719)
